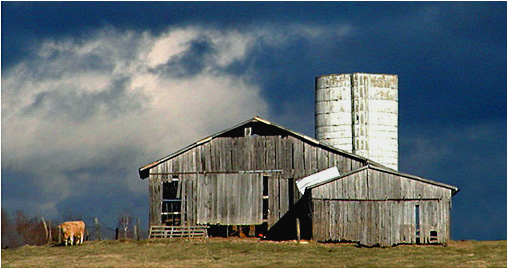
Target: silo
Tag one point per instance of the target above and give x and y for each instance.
(359, 113)
(333, 111)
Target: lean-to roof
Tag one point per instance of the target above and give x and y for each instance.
(390, 171)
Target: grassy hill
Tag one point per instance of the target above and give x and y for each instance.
(236, 252)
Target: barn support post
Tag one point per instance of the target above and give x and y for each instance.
(298, 229)
(50, 237)
(252, 230)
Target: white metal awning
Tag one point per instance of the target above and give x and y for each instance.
(317, 178)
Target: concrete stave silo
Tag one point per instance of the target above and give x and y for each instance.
(333, 111)
(359, 113)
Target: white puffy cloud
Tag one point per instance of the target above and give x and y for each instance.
(76, 102)
(118, 99)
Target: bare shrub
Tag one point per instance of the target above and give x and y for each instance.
(9, 235)
(31, 230)
(126, 227)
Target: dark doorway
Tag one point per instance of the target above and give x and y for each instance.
(265, 198)
(171, 213)
(417, 223)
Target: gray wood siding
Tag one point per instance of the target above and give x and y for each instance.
(210, 165)
(278, 198)
(379, 222)
(379, 185)
(294, 156)
(155, 196)
(374, 207)
(229, 199)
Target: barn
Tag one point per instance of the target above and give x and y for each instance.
(243, 181)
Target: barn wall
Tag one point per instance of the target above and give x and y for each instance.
(207, 165)
(155, 196)
(229, 199)
(294, 156)
(373, 207)
(379, 222)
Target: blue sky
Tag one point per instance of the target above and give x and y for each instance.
(91, 91)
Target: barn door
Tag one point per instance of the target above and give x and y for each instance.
(278, 201)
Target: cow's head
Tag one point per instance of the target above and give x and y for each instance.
(65, 230)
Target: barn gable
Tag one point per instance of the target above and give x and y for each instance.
(255, 127)
(381, 183)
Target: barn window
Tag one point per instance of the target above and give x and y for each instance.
(171, 202)
(433, 236)
(170, 189)
(247, 131)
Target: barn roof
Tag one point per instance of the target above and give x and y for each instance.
(390, 171)
(261, 127)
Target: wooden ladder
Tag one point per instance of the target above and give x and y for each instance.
(157, 231)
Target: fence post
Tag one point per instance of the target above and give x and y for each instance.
(50, 239)
(136, 230)
(45, 228)
(96, 220)
(116, 233)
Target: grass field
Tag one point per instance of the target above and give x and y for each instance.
(254, 253)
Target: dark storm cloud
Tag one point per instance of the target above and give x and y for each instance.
(81, 105)
(97, 189)
(471, 157)
(195, 59)
(191, 62)
(17, 189)
(107, 201)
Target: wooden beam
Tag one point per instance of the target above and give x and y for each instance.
(218, 172)
(379, 200)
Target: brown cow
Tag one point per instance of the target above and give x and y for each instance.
(71, 230)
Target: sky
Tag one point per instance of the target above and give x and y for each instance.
(91, 91)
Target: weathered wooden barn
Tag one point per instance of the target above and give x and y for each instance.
(244, 177)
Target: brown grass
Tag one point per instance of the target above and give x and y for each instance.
(236, 252)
